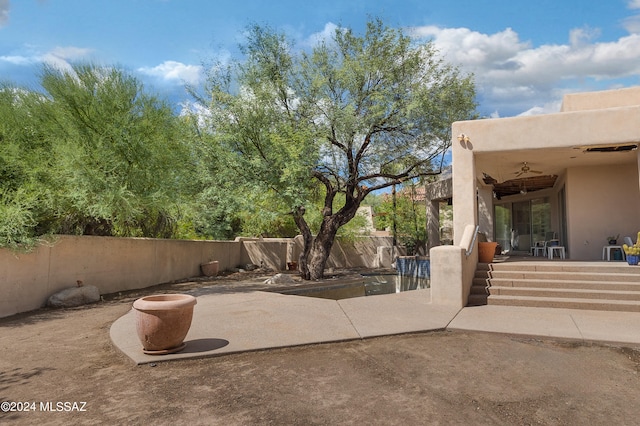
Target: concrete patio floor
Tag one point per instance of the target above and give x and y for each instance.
(250, 321)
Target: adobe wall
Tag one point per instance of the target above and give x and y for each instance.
(613, 211)
(111, 264)
(119, 264)
(603, 99)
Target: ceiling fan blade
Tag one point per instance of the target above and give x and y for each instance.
(518, 174)
(535, 171)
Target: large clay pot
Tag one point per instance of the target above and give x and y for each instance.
(163, 321)
(486, 251)
(210, 269)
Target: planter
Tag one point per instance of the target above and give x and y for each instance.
(292, 266)
(633, 259)
(210, 269)
(486, 251)
(163, 321)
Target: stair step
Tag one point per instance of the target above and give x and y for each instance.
(480, 281)
(611, 286)
(565, 284)
(573, 276)
(579, 267)
(479, 289)
(566, 293)
(477, 300)
(568, 303)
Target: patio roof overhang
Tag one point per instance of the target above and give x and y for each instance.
(528, 170)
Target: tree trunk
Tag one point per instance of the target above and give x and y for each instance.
(316, 256)
(316, 251)
(319, 254)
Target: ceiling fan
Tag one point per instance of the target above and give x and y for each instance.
(526, 169)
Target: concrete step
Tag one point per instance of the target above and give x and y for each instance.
(568, 303)
(566, 293)
(477, 300)
(479, 289)
(574, 276)
(564, 284)
(598, 267)
(480, 281)
(576, 285)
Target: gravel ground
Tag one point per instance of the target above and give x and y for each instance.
(62, 367)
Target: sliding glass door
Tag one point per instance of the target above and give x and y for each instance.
(520, 224)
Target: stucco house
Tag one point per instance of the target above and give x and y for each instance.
(572, 176)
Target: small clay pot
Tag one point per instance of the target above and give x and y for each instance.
(486, 251)
(210, 269)
(163, 321)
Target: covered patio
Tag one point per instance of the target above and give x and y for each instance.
(571, 176)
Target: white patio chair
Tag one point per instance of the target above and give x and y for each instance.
(539, 247)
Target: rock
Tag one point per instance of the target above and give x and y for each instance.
(280, 279)
(74, 296)
(250, 267)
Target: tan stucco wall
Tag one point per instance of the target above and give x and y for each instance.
(598, 199)
(111, 264)
(119, 264)
(614, 210)
(453, 269)
(602, 99)
(616, 125)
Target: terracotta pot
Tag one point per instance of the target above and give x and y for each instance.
(486, 251)
(163, 321)
(210, 269)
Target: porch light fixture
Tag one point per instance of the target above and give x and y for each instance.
(463, 138)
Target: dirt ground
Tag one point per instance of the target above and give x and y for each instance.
(61, 366)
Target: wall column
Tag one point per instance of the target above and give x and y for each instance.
(485, 211)
(433, 223)
(465, 205)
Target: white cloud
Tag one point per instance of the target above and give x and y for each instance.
(632, 24)
(633, 4)
(60, 56)
(16, 60)
(512, 74)
(201, 113)
(70, 52)
(325, 35)
(547, 108)
(581, 36)
(175, 72)
(4, 12)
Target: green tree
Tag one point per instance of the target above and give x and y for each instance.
(406, 217)
(121, 153)
(356, 114)
(25, 168)
(93, 154)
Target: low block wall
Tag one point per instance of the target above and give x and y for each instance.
(111, 264)
(119, 264)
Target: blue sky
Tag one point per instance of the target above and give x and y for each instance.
(525, 54)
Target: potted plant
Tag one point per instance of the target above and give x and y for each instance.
(163, 321)
(486, 251)
(632, 252)
(613, 240)
(210, 269)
